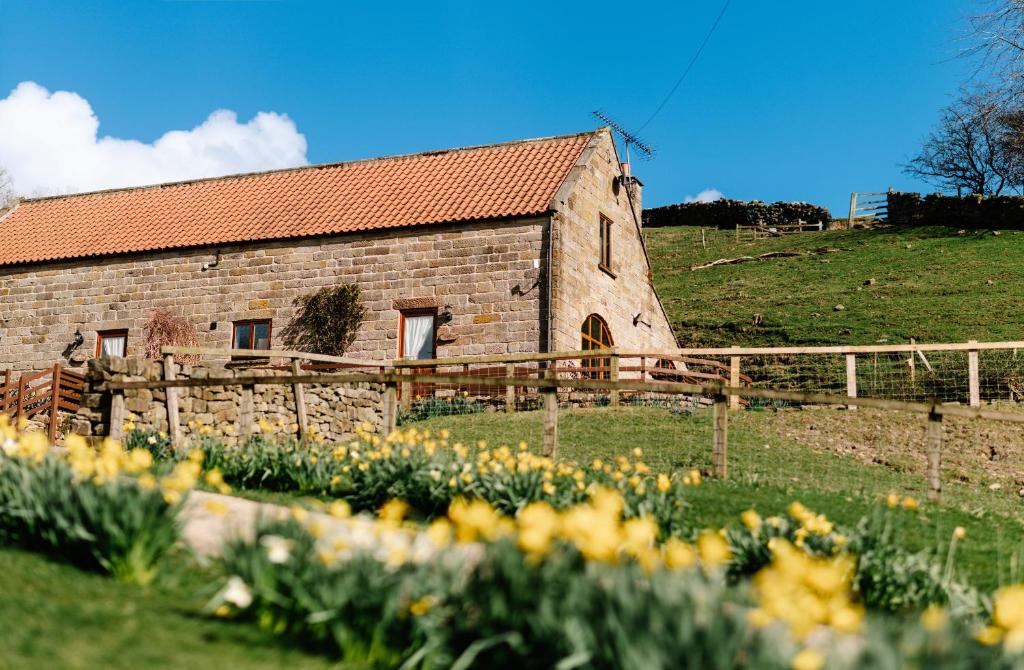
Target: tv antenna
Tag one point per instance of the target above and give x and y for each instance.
(629, 139)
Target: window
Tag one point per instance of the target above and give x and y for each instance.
(416, 333)
(596, 335)
(112, 343)
(605, 262)
(253, 334)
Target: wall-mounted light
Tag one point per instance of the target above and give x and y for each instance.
(212, 264)
(79, 338)
(639, 319)
(446, 315)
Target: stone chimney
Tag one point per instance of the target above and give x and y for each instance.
(635, 188)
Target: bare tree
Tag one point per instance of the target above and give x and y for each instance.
(998, 38)
(977, 148)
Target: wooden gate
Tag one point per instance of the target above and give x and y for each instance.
(51, 392)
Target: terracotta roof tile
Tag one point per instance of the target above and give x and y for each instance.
(495, 181)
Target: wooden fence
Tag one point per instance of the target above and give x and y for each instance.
(760, 231)
(51, 392)
(868, 207)
(549, 386)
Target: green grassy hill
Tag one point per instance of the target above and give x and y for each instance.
(931, 284)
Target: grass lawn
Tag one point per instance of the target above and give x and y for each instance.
(768, 478)
(924, 277)
(56, 616)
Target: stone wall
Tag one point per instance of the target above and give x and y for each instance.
(728, 214)
(489, 272)
(626, 297)
(333, 410)
(972, 211)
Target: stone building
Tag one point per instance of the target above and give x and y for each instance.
(527, 247)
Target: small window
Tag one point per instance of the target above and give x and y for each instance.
(112, 343)
(605, 262)
(417, 333)
(252, 334)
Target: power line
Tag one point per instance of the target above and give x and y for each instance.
(689, 67)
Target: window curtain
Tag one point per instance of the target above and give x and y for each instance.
(113, 346)
(419, 337)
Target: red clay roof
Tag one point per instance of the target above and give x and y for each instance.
(488, 182)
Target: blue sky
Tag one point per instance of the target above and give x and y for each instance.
(791, 100)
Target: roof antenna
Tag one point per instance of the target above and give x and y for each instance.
(645, 150)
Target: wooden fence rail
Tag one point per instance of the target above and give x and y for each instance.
(550, 386)
(52, 391)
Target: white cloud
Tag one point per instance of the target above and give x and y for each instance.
(49, 144)
(707, 195)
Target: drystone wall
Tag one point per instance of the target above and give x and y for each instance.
(333, 411)
(973, 211)
(728, 214)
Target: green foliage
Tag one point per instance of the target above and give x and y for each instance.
(156, 443)
(500, 610)
(492, 606)
(273, 464)
(325, 321)
(355, 611)
(427, 474)
(116, 527)
(431, 406)
(892, 578)
(843, 487)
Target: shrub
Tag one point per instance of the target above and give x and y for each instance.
(100, 510)
(581, 588)
(428, 473)
(424, 408)
(164, 328)
(326, 321)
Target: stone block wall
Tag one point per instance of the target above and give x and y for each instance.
(332, 410)
(626, 297)
(489, 272)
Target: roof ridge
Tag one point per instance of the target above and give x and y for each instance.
(300, 168)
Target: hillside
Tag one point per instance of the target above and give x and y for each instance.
(931, 284)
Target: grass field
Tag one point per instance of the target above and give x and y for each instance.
(768, 479)
(931, 284)
(56, 616)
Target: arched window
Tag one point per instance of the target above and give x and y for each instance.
(595, 335)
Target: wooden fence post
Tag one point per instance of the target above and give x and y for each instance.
(299, 391)
(853, 209)
(5, 392)
(550, 446)
(613, 394)
(116, 430)
(934, 442)
(510, 390)
(54, 403)
(21, 397)
(390, 407)
(851, 378)
(720, 419)
(734, 380)
(406, 392)
(246, 422)
(173, 415)
(973, 377)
